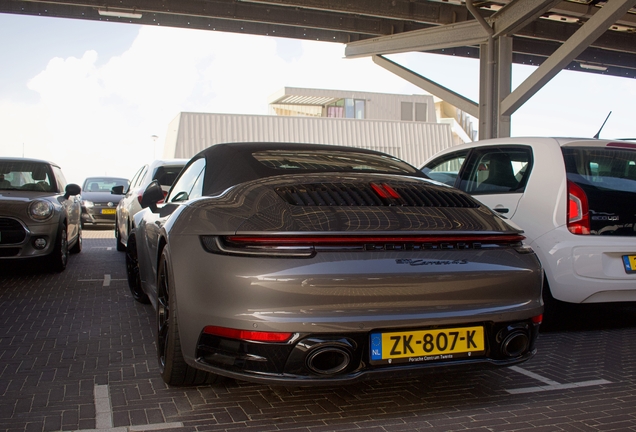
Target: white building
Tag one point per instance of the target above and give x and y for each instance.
(405, 126)
(372, 106)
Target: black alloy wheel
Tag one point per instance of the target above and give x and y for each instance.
(77, 247)
(120, 246)
(59, 257)
(172, 366)
(132, 273)
(163, 315)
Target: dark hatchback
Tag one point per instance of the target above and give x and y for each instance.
(99, 203)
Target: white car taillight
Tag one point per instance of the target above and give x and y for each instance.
(578, 210)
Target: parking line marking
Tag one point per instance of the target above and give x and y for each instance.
(103, 408)
(105, 282)
(104, 416)
(155, 426)
(538, 377)
(550, 384)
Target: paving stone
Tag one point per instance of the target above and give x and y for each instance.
(63, 334)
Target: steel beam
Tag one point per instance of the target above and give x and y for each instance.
(518, 14)
(567, 9)
(432, 87)
(486, 96)
(504, 83)
(448, 36)
(420, 11)
(574, 46)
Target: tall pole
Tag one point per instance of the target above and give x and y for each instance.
(154, 146)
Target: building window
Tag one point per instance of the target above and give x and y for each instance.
(420, 112)
(349, 112)
(410, 111)
(335, 111)
(347, 108)
(359, 108)
(407, 111)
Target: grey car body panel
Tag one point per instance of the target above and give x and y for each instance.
(339, 291)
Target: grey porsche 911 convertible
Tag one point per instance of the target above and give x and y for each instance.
(305, 264)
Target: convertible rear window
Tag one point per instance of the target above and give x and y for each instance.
(608, 178)
(332, 161)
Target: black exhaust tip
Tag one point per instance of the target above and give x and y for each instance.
(328, 360)
(515, 344)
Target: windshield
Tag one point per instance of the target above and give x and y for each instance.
(26, 175)
(103, 184)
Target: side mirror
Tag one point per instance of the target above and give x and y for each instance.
(117, 190)
(71, 190)
(151, 196)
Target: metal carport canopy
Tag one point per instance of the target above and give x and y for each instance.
(585, 35)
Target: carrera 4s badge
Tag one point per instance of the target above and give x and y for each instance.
(424, 262)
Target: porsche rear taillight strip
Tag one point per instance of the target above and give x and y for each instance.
(361, 240)
(308, 246)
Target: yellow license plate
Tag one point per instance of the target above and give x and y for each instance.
(109, 211)
(427, 345)
(630, 263)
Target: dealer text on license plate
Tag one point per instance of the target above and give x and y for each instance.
(109, 211)
(630, 263)
(427, 345)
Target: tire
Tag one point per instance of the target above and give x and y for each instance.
(556, 313)
(132, 273)
(172, 366)
(59, 257)
(120, 246)
(77, 247)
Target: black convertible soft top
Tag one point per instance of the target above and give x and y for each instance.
(234, 163)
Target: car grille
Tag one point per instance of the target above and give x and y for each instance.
(373, 194)
(11, 231)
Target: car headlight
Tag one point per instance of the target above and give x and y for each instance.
(41, 210)
(87, 204)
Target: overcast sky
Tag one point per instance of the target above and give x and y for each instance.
(90, 95)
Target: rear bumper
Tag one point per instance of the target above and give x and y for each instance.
(348, 295)
(587, 269)
(346, 358)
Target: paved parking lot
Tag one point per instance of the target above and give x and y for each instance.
(77, 353)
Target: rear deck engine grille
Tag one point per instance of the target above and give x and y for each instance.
(373, 194)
